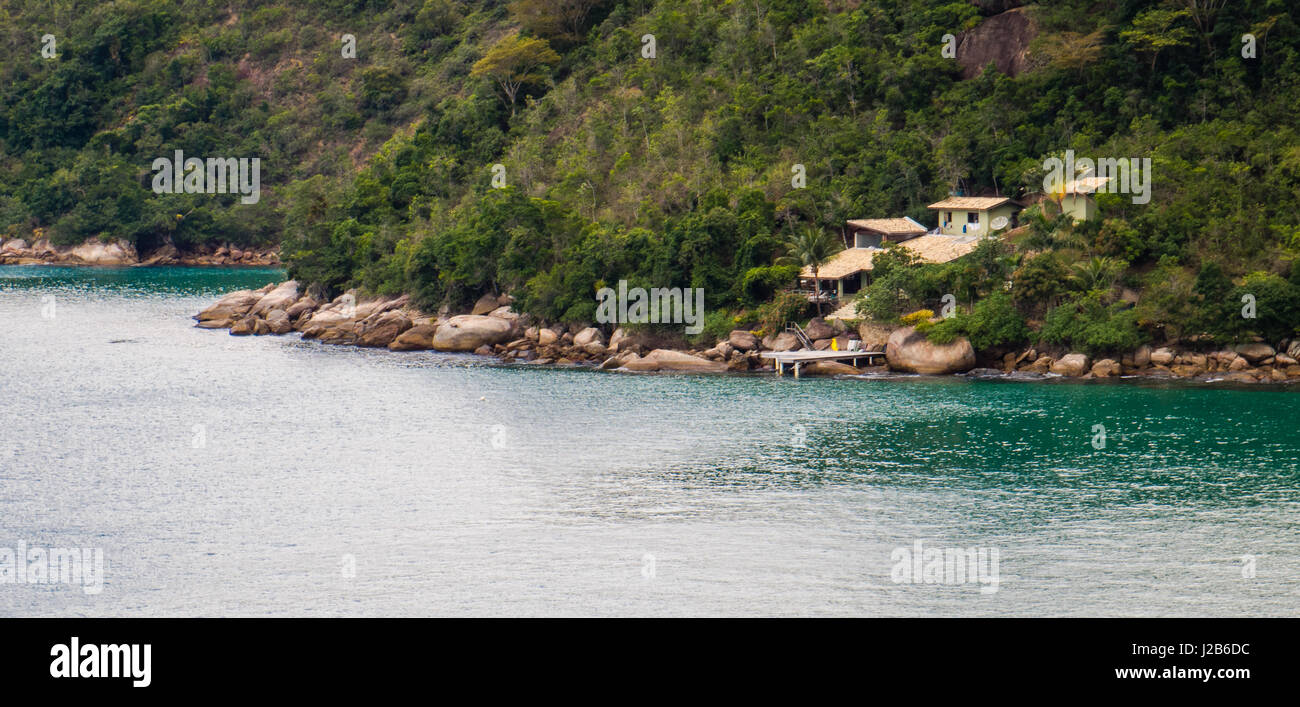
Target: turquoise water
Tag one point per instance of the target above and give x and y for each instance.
(242, 476)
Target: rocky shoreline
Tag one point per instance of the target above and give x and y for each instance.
(17, 251)
(493, 328)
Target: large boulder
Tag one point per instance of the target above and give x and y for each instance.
(669, 360)
(911, 352)
(282, 297)
(1254, 353)
(1142, 356)
(485, 304)
(417, 338)
(323, 320)
(588, 336)
(467, 332)
(818, 329)
(97, 252)
(1163, 356)
(279, 322)
(828, 368)
(546, 337)
(633, 362)
(742, 340)
(1106, 368)
(235, 304)
(303, 306)
(874, 336)
(381, 329)
(785, 341)
(1073, 365)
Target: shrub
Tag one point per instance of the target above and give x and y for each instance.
(994, 322)
(1086, 324)
(783, 308)
(917, 317)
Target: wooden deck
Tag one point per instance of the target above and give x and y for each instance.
(798, 358)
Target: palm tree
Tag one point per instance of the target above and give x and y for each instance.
(1097, 273)
(810, 247)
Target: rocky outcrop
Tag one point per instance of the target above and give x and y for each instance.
(282, 296)
(1002, 40)
(232, 306)
(391, 322)
(96, 252)
(911, 352)
(468, 332)
(119, 252)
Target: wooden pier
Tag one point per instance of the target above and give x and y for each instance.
(798, 358)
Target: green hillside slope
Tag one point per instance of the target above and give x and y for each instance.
(676, 167)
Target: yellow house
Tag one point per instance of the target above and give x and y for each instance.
(1076, 198)
(974, 215)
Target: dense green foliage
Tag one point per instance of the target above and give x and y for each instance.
(993, 322)
(675, 170)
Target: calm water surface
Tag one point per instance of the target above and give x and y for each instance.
(241, 476)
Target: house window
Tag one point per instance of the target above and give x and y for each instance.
(947, 217)
(972, 217)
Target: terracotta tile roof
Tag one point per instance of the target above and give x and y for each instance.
(889, 226)
(938, 248)
(970, 203)
(843, 264)
(933, 248)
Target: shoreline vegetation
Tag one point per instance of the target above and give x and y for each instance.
(493, 328)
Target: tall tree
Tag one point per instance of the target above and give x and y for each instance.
(1155, 30)
(514, 62)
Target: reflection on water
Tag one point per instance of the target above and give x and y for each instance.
(458, 486)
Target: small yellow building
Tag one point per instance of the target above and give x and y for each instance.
(974, 215)
(1076, 198)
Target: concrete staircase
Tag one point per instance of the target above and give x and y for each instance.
(846, 311)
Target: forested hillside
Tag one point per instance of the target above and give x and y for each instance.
(549, 148)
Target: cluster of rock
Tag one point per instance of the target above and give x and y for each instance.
(1245, 363)
(380, 322)
(493, 328)
(17, 251)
